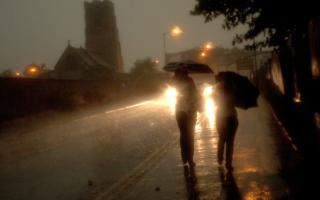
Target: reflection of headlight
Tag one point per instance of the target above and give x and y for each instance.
(207, 91)
(171, 96)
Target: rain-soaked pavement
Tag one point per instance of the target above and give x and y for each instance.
(132, 152)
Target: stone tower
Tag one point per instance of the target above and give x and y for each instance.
(102, 33)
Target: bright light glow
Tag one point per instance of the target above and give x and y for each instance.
(33, 70)
(171, 95)
(209, 46)
(176, 31)
(210, 111)
(208, 91)
(210, 106)
(297, 98)
(203, 54)
(157, 61)
(18, 74)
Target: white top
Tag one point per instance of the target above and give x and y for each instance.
(187, 97)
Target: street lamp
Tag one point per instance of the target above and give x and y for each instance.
(175, 32)
(33, 70)
(206, 49)
(209, 46)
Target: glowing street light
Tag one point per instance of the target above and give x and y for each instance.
(203, 54)
(175, 32)
(18, 74)
(209, 46)
(206, 49)
(33, 70)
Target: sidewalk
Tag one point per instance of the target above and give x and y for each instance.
(259, 144)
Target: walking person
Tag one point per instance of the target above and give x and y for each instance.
(226, 122)
(232, 90)
(186, 113)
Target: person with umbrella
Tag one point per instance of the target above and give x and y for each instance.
(186, 112)
(232, 90)
(187, 105)
(226, 122)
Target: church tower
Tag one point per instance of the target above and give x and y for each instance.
(102, 33)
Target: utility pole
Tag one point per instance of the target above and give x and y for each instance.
(164, 48)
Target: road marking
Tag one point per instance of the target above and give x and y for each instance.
(119, 189)
(129, 107)
(115, 110)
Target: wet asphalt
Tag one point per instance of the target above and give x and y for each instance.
(132, 152)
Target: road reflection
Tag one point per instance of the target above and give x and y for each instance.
(258, 192)
(191, 182)
(205, 146)
(229, 187)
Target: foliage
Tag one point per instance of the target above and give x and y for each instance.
(7, 73)
(145, 76)
(277, 21)
(144, 66)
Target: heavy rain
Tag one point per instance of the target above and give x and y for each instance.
(184, 99)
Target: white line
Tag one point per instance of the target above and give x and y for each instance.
(115, 110)
(128, 107)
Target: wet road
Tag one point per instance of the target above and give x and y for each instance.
(125, 151)
(78, 159)
(257, 165)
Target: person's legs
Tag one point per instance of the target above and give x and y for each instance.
(181, 118)
(221, 128)
(192, 117)
(231, 132)
(190, 146)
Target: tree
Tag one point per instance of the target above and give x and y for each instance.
(285, 26)
(145, 76)
(144, 66)
(7, 73)
(277, 21)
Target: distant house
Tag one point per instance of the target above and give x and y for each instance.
(79, 63)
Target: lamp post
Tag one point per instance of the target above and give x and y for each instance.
(164, 48)
(175, 32)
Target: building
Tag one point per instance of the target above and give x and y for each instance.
(79, 63)
(101, 57)
(102, 33)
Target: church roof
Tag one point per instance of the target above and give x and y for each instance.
(80, 59)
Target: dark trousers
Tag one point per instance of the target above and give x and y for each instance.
(186, 122)
(226, 127)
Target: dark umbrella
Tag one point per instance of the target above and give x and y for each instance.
(245, 93)
(191, 66)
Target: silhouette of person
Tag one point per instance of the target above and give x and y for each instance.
(186, 113)
(226, 122)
